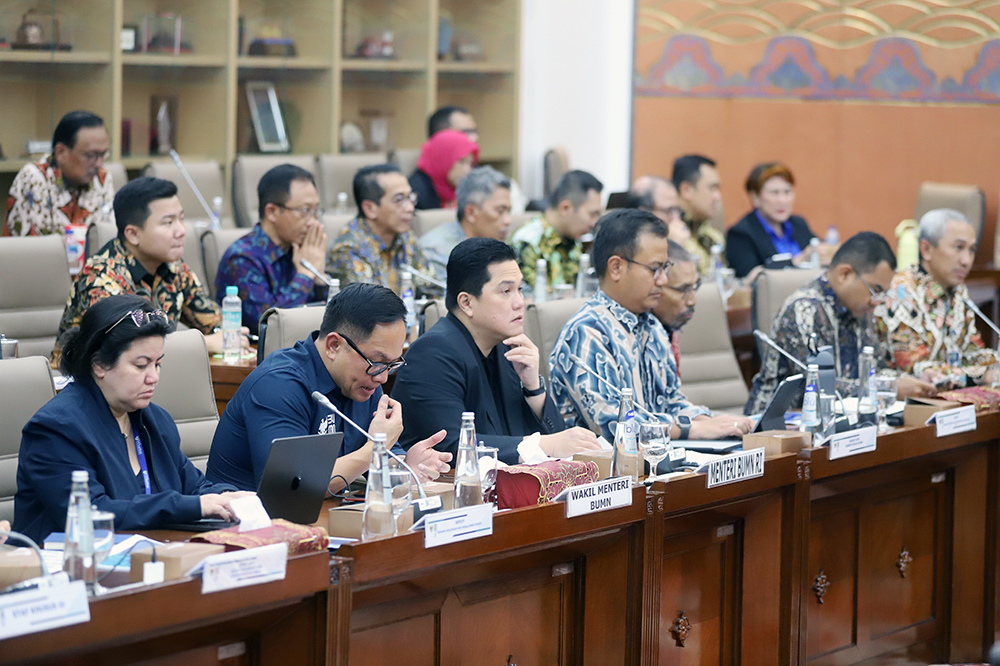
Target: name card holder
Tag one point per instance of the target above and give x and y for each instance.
(242, 568)
(42, 608)
(733, 468)
(954, 421)
(852, 442)
(446, 527)
(601, 495)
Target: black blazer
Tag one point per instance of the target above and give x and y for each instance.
(444, 377)
(427, 196)
(748, 245)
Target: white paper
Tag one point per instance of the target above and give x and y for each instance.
(952, 421)
(43, 608)
(242, 568)
(446, 527)
(530, 451)
(250, 512)
(604, 444)
(852, 442)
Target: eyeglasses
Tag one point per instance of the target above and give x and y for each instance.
(96, 155)
(876, 295)
(670, 211)
(401, 200)
(375, 369)
(305, 212)
(687, 289)
(658, 271)
(140, 318)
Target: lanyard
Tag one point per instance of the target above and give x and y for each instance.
(141, 455)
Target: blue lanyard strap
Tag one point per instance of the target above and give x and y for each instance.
(141, 455)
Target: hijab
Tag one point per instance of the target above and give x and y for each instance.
(439, 154)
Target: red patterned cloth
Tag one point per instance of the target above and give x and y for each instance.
(982, 398)
(300, 538)
(530, 485)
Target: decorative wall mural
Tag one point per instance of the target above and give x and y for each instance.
(876, 50)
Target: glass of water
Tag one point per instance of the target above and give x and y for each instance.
(488, 457)
(654, 444)
(885, 388)
(400, 481)
(104, 541)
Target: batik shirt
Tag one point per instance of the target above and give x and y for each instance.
(700, 244)
(539, 240)
(921, 320)
(628, 351)
(437, 245)
(174, 288)
(41, 202)
(266, 277)
(358, 255)
(813, 317)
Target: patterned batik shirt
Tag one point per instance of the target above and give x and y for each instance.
(41, 202)
(539, 240)
(626, 350)
(813, 317)
(437, 245)
(700, 244)
(358, 255)
(266, 277)
(174, 288)
(921, 320)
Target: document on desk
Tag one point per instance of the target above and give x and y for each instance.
(709, 445)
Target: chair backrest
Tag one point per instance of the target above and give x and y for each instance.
(99, 234)
(518, 220)
(770, 291)
(207, 175)
(554, 165)
(425, 220)
(119, 176)
(335, 223)
(335, 174)
(710, 373)
(969, 200)
(544, 321)
(213, 245)
(247, 170)
(185, 390)
(283, 327)
(193, 255)
(25, 385)
(34, 288)
(406, 159)
(433, 311)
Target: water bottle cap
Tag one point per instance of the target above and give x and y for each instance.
(868, 349)
(407, 275)
(334, 282)
(379, 437)
(80, 476)
(468, 415)
(232, 290)
(626, 392)
(217, 201)
(813, 366)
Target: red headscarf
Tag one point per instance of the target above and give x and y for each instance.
(439, 154)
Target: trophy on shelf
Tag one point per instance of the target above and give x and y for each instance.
(270, 41)
(162, 33)
(39, 31)
(377, 46)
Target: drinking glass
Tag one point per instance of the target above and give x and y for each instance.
(488, 470)
(727, 283)
(885, 389)
(654, 444)
(104, 541)
(400, 481)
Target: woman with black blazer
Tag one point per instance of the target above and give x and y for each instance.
(104, 423)
(770, 228)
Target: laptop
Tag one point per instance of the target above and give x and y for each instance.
(294, 483)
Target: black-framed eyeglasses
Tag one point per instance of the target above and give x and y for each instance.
(140, 318)
(877, 295)
(401, 200)
(375, 368)
(304, 212)
(658, 271)
(687, 289)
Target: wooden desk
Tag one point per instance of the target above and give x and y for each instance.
(227, 377)
(302, 619)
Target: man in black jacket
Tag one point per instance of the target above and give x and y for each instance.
(478, 359)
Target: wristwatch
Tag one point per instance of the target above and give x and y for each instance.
(684, 422)
(538, 391)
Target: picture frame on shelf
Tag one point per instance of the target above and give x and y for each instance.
(130, 38)
(268, 123)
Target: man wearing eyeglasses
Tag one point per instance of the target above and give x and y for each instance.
(659, 196)
(68, 186)
(268, 264)
(834, 309)
(358, 345)
(614, 342)
(679, 295)
(378, 242)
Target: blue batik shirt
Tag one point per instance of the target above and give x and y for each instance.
(628, 351)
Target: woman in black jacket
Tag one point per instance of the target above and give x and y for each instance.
(103, 422)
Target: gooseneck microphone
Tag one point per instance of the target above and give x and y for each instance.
(766, 339)
(306, 264)
(580, 364)
(323, 400)
(969, 303)
(190, 181)
(423, 276)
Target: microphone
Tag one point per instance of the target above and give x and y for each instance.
(424, 276)
(766, 339)
(306, 264)
(323, 400)
(11, 534)
(969, 303)
(187, 177)
(580, 364)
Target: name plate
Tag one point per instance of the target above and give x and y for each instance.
(598, 496)
(852, 442)
(43, 608)
(457, 525)
(242, 568)
(953, 421)
(735, 467)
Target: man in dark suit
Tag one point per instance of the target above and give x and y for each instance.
(478, 359)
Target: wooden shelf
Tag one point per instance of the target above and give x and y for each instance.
(474, 68)
(170, 60)
(278, 62)
(377, 65)
(12, 165)
(57, 57)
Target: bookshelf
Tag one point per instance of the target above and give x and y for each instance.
(324, 84)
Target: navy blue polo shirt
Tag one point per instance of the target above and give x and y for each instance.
(275, 401)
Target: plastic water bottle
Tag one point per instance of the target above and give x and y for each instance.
(626, 441)
(216, 223)
(867, 398)
(581, 277)
(832, 236)
(406, 293)
(541, 281)
(468, 484)
(78, 553)
(232, 322)
(810, 402)
(714, 261)
(333, 289)
(377, 520)
(341, 208)
(814, 255)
